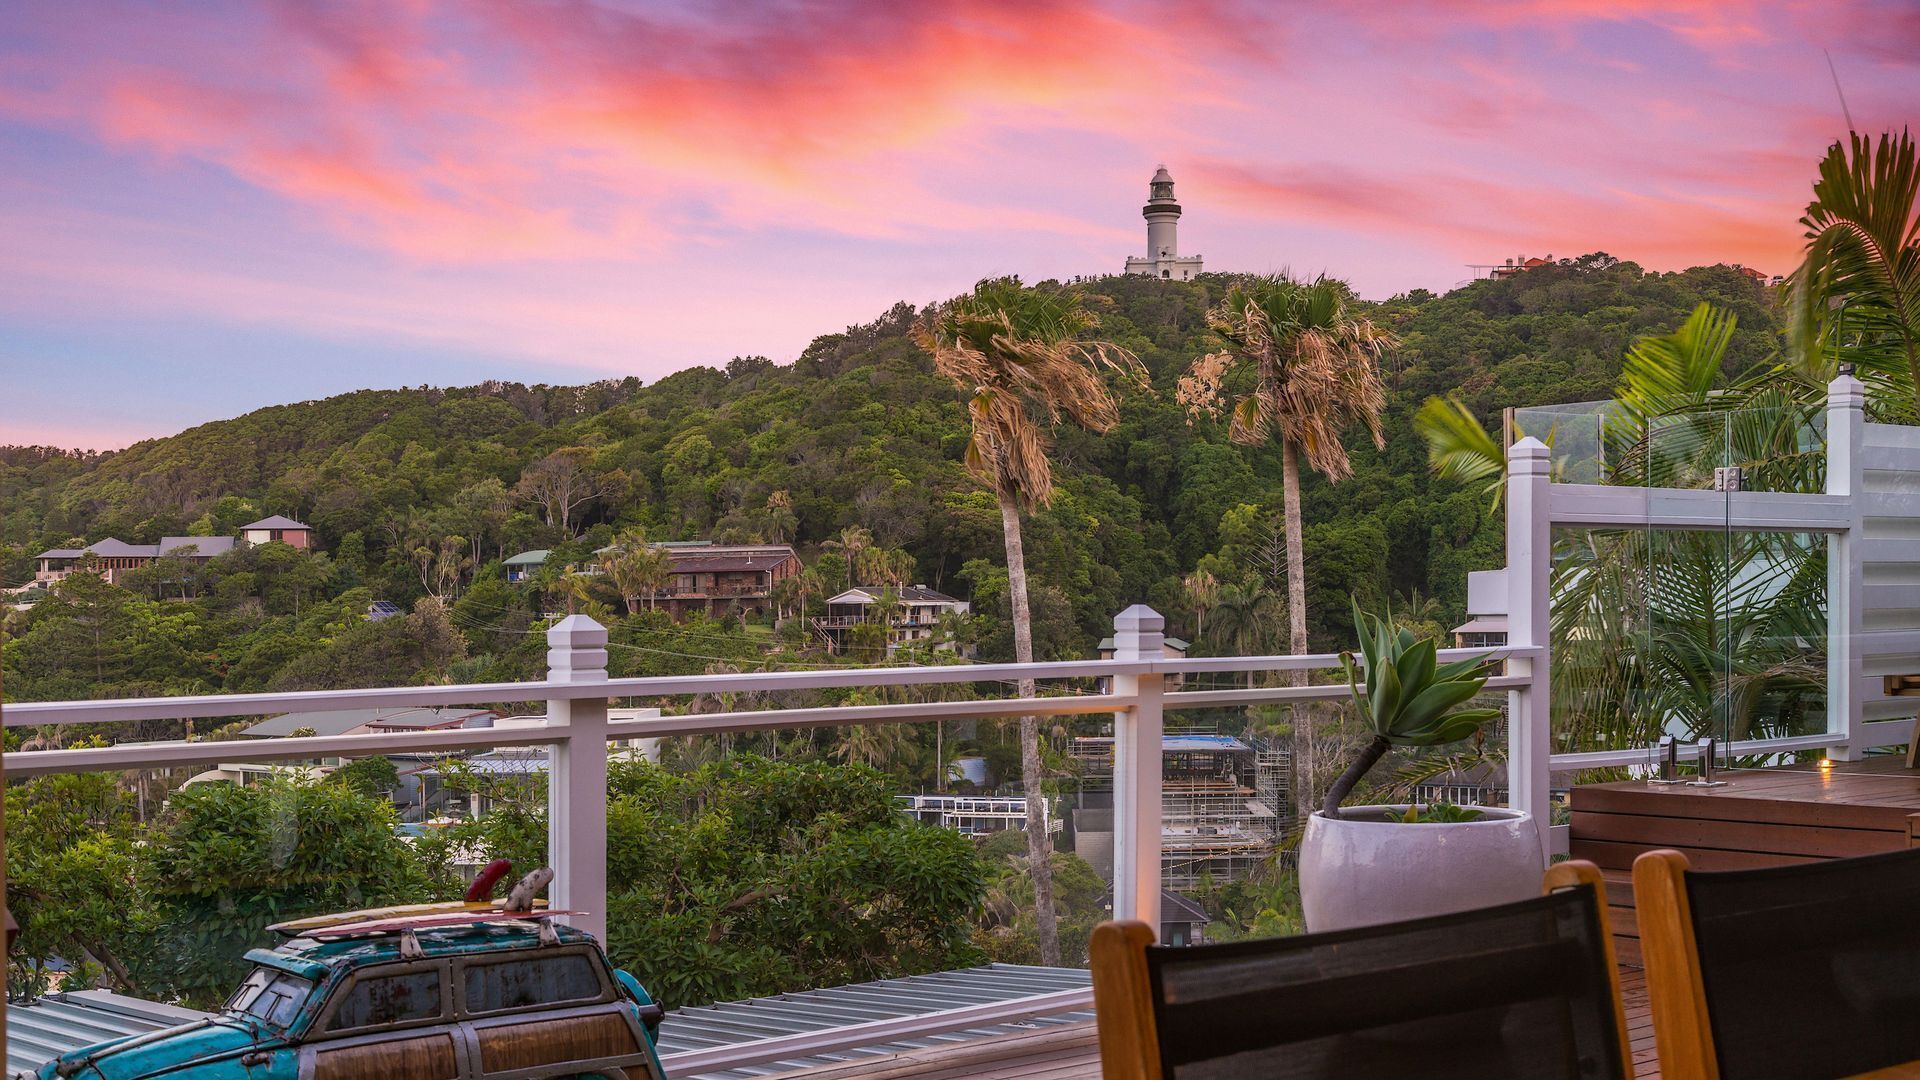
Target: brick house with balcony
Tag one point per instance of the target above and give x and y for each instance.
(712, 579)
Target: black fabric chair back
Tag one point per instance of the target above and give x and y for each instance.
(1811, 970)
(1517, 992)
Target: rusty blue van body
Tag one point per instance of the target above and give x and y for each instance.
(486, 1001)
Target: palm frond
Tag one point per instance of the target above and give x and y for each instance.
(1023, 356)
(1856, 294)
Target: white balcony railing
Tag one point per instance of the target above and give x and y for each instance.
(577, 691)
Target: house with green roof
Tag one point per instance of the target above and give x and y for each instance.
(522, 566)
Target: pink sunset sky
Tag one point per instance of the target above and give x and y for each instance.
(212, 207)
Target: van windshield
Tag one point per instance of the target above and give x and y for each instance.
(272, 996)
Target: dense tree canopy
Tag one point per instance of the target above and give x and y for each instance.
(418, 493)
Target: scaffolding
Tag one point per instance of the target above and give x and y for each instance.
(1273, 772)
(1220, 811)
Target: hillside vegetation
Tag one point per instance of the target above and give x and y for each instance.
(859, 431)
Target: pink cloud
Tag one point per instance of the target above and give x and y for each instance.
(1472, 214)
(508, 131)
(575, 182)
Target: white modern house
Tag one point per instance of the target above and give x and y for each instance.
(915, 614)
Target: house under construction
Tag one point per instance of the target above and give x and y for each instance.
(1223, 804)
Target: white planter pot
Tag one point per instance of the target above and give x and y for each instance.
(1362, 870)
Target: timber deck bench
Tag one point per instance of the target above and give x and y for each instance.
(1764, 817)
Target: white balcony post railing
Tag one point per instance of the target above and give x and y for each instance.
(1137, 635)
(577, 777)
(1529, 570)
(1846, 401)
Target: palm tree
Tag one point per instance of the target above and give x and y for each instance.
(886, 606)
(573, 585)
(780, 518)
(1019, 354)
(877, 745)
(1243, 619)
(1316, 373)
(886, 566)
(850, 543)
(1856, 295)
(1203, 589)
(636, 569)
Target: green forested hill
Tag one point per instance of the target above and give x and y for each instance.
(859, 431)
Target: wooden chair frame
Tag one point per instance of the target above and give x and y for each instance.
(1672, 957)
(1581, 874)
(1123, 991)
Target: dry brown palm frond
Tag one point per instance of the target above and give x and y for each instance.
(1316, 370)
(1020, 354)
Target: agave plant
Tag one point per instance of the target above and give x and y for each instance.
(1410, 699)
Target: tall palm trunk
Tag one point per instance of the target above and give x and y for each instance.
(1297, 622)
(1039, 844)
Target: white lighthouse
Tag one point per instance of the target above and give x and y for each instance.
(1162, 212)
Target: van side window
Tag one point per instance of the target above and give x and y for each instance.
(375, 999)
(532, 980)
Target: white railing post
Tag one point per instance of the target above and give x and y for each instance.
(577, 778)
(1529, 571)
(1846, 422)
(1137, 635)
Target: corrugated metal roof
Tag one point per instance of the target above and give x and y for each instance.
(204, 547)
(906, 594)
(42, 1030)
(1221, 743)
(730, 1023)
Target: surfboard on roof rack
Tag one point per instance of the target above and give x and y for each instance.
(478, 899)
(427, 922)
(306, 926)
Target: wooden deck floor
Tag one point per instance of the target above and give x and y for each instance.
(1633, 994)
(1073, 1052)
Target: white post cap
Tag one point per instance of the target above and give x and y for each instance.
(576, 650)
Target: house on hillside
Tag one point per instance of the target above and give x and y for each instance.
(284, 529)
(111, 557)
(1183, 922)
(974, 815)
(1758, 277)
(521, 567)
(712, 579)
(1521, 265)
(915, 615)
(1486, 625)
